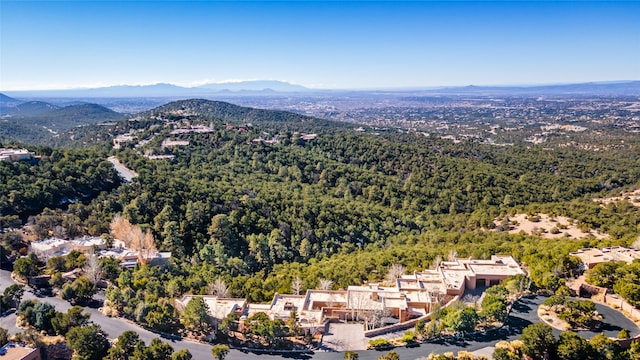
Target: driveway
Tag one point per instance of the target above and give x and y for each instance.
(613, 321)
(343, 337)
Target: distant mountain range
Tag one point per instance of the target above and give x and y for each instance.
(257, 85)
(593, 88)
(71, 104)
(272, 87)
(166, 90)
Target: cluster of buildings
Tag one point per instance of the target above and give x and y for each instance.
(591, 257)
(193, 129)
(276, 139)
(15, 155)
(50, 247)
(411, 297)
(123, 139)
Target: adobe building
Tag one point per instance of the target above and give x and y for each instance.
(18, 351)
(412, 296)
(591, 257)
(15, 155)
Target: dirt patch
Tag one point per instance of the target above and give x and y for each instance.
(545, 226)
(552, 319)
(632, 196)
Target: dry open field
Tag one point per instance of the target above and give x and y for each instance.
(548, 227)
(633, 197)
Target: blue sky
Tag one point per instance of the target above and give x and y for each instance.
(335, 44)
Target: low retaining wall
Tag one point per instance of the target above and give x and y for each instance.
(616, 301)
(591, 290)
(626, 343)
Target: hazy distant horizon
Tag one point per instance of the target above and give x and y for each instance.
(390, 88)
(320, 45)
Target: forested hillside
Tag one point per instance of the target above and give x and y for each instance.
(257, 200)
(56, 178)
(41, 123)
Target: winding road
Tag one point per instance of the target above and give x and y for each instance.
(523, 313)
(126, 173)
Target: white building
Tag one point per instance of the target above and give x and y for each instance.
(14, 155)
(52, 246)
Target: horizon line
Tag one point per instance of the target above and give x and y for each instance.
(199, 84)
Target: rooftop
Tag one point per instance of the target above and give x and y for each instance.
(615, 253)
(16, 351)
(282, 305)
(219, 308)
(15, 154)
(414, 292)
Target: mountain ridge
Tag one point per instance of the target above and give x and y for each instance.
(32, 108)
(270, 87)
(40, 121)
(167, 90)
(225, 111)
(256, 85)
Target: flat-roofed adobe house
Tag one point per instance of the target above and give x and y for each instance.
(412, 296)
(219, 308)
(53, 246)
(17, 351)
(462, 274)
(14, 155)
(282, 305)
(591, 257)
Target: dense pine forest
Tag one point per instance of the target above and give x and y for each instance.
(262, 198)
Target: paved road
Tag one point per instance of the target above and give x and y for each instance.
(524, 313)
(126, 173)
(613, 321)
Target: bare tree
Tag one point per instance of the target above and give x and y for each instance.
(219, 288)
(121, 229)
(325, 284)
(434, 296)
(395, 271)
(453, 255)
(357, 302)
(378, 316)
(59, 232)
(296, 285)
(437, 261)
(93, 267)
(147, 248)
(133, 237)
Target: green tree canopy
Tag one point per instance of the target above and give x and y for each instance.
(219, 352)
(539, 341)
(88, 342)
(195, 316)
